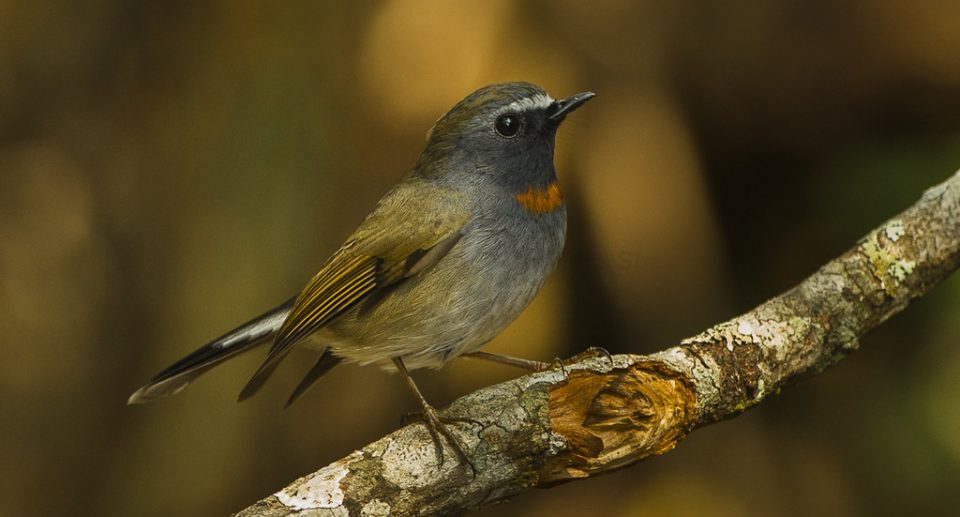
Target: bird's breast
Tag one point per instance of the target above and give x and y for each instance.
(467, 298)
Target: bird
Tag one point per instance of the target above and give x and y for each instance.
(447, 258)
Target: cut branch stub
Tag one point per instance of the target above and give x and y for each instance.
(610, 420)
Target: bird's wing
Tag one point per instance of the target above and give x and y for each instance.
(409, 231)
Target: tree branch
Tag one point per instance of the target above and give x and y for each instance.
(603, 413)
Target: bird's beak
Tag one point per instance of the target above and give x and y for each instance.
(560, 108)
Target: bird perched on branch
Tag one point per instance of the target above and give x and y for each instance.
(444, 262)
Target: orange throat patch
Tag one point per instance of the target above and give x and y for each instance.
(541, 200)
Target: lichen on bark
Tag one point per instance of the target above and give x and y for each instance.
(592, 416)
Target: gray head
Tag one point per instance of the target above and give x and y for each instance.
(504, 132)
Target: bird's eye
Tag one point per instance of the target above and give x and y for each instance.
(507, 125)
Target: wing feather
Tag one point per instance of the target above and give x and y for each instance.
(409, 231)
(326, 296)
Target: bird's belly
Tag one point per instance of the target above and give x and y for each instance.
(456, 307)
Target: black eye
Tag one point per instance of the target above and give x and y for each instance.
(507, 125)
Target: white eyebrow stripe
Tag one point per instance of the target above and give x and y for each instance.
(538, 101)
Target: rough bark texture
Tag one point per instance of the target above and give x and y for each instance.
(599, 413)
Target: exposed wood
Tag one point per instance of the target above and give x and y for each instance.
(602, 413)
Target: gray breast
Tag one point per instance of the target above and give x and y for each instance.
(468, 298)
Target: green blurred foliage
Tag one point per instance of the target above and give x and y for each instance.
(169, 169)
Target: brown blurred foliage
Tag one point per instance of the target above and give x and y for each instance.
(170, 169)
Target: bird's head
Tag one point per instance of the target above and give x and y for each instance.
(503, 130)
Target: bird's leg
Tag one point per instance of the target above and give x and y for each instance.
(540, 366)
(434, 423)
(526, 364)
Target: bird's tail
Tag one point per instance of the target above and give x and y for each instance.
(255, 332)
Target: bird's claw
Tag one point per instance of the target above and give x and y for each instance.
(436, 426)
(593, 352)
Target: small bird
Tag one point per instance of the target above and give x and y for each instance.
(444, 262)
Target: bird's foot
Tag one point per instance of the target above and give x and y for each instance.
(437, 426)
(591, 353)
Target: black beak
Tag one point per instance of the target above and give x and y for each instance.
(560, 108)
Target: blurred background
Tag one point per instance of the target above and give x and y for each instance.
(170, 169)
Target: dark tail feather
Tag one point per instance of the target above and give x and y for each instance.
(245, 337)
(326, 362)
(262, 374)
